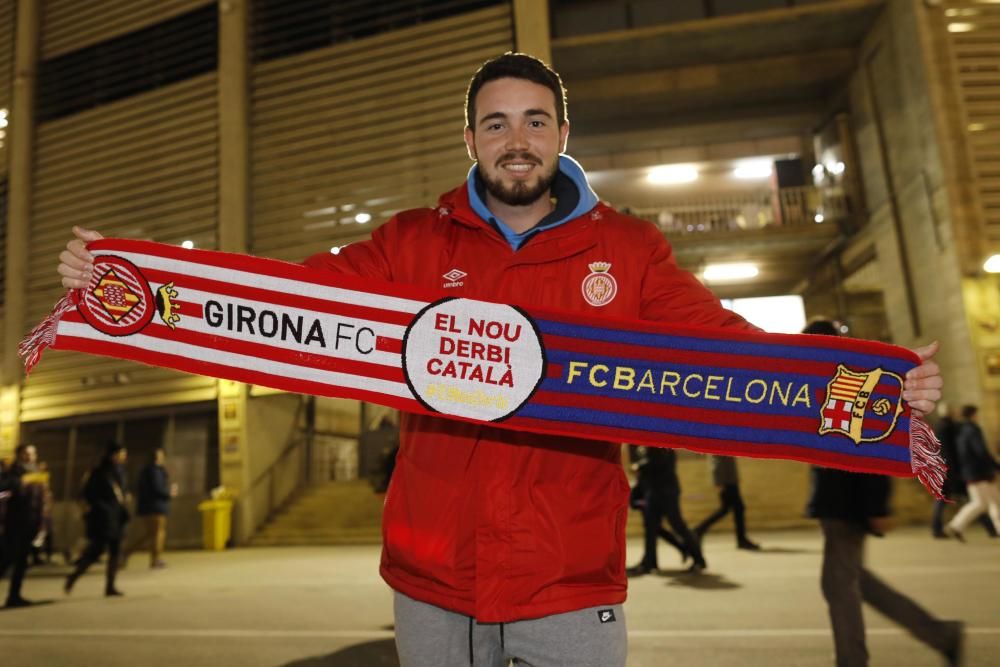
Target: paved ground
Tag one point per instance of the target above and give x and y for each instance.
(326, 607)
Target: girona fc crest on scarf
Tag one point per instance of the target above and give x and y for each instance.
(118, 301)
(862, 406)
(600, 287)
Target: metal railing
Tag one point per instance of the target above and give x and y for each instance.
(799, 207)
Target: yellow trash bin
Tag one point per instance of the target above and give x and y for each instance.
(216, 522)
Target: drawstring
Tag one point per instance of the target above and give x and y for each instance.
(471, 659)
(501, 637)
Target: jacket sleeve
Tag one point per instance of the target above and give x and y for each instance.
(671, 294)
(161, 489)
(874, 493)
(367, 259)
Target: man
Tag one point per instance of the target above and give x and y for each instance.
(106, 517)
(726, 478)
(850, 506)
(947, 432)
(979, 471)
(22, 520)
(499, 544)
(656, 469)
(154, 492)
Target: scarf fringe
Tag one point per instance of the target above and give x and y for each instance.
(44, 335)
(925, 457)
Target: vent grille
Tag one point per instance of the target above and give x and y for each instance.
(363, 129)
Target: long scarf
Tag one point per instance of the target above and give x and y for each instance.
(824, 400)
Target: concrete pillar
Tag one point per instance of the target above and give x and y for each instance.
(234, 459)
(234, 126)
(852, 171)
(531, 28)
(21, 133)
(233, 234)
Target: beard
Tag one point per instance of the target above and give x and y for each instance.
(520, 193)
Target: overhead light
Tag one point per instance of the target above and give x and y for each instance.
(722, 273)
(837, 168)
(672, 174)
(819, 218)
(753, 169)
(362, 218)
(961, 27)
(335, 249)
(977, 127)
(992, 265)
(818, 171)
(329, 210)
(188, 244)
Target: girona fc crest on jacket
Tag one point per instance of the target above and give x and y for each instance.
(863, 406)
(600, 287)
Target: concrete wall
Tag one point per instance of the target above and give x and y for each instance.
(889, 93)
(271, 427)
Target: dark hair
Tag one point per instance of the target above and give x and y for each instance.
(969, 411)
(111, 448)
(515, 66)
(21, 449)
(824, 327)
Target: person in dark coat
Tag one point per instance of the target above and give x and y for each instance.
(22, 520)
(851, 506)
(154, 492)
(727, 480)
(662, 493)
(979, 471)
(954, 486)
(106, 517)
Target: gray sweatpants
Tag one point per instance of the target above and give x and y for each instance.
(428, 636)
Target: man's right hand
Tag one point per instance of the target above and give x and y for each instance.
(76, 264)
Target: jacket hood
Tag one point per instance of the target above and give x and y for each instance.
(574, 196)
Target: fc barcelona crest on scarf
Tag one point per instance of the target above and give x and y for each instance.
(862, 406)
(600, 287)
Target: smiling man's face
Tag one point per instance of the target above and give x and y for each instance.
(516, 140)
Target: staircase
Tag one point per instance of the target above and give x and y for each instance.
(331, 513)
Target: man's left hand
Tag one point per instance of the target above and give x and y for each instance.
(922, 387)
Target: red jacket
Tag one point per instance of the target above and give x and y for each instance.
(504, 525)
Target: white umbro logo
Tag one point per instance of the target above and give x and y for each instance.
(454, 278)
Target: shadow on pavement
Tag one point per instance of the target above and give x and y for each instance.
(708, 581)
(34, 603)
(381, 653)
(787, 550)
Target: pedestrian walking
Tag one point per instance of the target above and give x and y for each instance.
(22, 520)
(726, 477)
(851, 506)
(107, 515)
(662, 500)
(979, 471)
(155, 491)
